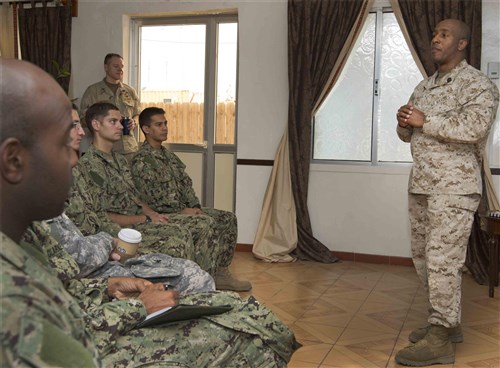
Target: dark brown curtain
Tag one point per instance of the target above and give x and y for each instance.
(317, 31)
(45, 38)
(421, 16)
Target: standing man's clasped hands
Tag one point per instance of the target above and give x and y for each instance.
(409, 115)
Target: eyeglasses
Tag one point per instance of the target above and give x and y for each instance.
(77, 125)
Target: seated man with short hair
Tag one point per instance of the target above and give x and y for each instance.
(106, 176)
(160, 177)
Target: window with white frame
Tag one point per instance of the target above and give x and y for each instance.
(356, 122)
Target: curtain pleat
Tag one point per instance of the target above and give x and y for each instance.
(45, 37)
(276, 234)
(7, 34)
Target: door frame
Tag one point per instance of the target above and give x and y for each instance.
(209, 149)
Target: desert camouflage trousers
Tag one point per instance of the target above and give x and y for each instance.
(247, 336)
(440, 230)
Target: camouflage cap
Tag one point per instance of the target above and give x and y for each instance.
(154, 266)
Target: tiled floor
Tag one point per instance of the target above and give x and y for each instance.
(359, 315)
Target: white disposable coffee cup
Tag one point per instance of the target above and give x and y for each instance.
(128, 243)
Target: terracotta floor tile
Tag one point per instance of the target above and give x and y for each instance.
(310, 354)
(350, 315)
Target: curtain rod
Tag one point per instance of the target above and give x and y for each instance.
(74, 4)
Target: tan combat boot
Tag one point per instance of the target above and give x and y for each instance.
(456, 335)
(434, 348)
(225, 281)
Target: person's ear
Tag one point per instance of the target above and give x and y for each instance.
(12, 160)
(146, 129)
(462, 44)
(95, 125)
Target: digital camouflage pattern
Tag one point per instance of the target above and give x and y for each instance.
(447, 152)
(87, 207)
(91, 253)
(37, 315)
(162, 182)
(107, 181)
(167, 187)
(440, 228)
(125, 99)
(87, 211)
(248, 336)
(38, 235)
(445, 182)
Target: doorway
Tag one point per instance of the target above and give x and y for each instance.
(188, 67)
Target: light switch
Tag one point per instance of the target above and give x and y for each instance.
(493, 70)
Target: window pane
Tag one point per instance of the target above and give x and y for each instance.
(173, 77)
(343, 124)
(398, 77)
(226, 83)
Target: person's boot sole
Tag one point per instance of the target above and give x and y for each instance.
(440, 360)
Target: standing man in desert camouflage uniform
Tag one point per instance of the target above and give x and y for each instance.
(160, 177)
(112, 89)
(447, 121)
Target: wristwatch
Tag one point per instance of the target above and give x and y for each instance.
(148, 219)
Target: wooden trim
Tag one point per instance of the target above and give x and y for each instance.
(373, 258)
(353, 257)
(74, 7)
(244, 247)
(249, 162)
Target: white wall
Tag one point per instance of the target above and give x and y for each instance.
(353, 208)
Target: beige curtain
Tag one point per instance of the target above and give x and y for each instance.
(7, 36)
(276, 234)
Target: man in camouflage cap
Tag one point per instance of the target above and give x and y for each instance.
(447, 122)
(160, 177)
(46, 323)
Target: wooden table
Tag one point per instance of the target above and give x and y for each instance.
(493, 229)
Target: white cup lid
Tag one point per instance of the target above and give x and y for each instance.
(130, 235)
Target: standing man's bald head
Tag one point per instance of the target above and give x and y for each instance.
(449, 42)
(35, 123)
